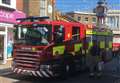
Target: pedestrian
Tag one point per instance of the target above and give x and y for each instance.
(94, 59)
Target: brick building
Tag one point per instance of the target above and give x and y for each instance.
(8, 16)
(84, 17)
(36, 7)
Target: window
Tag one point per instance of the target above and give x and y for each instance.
(86, 19)
(75, 33)
(112, 22)
(94, 20)
(58, 33)
(43, 5)
(117, 22)
(6, 2)
(33, 35)
(79, 18)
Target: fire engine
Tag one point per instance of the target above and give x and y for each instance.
(45, 48)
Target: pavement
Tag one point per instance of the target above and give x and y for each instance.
(6, 66)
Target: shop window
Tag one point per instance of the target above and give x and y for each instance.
(6, 2)
(75, 33)
(58, 33)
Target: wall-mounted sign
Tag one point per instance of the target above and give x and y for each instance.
(50, 9)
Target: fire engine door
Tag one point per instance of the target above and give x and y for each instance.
(58, 33)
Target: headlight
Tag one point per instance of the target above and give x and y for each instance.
(33, 49)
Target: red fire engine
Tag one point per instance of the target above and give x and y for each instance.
(46, 48)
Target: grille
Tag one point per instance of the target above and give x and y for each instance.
(26, 58)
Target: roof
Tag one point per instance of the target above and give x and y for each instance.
(86, 13)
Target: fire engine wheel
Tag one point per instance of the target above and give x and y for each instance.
(67, 68)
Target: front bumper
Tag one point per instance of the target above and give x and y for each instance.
(43, 73)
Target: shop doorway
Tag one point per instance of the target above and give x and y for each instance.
(1, 47)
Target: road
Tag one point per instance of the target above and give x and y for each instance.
(8, 77)
(111, 74)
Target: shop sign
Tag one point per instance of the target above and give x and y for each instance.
(6, 16)
(9, 16)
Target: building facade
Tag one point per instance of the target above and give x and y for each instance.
(84, 17)
(113, 19)
(37, 7)
(8, 15)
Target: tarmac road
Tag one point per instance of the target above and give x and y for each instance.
(111, 74)
(6, 76)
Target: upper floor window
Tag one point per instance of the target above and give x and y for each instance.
(86, 19)
(43, 5)
(94, 20)
(6, 2)
(79, 18)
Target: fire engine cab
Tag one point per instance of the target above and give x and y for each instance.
(46, 48)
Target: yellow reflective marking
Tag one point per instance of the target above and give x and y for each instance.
(90, 45)
(33, 49)
(77, 47)
(102, 44)
(58, 49)
(90, 32)
(110, 44)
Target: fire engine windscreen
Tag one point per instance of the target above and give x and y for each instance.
(34, 35)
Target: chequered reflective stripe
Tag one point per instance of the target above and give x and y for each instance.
(19, 70)
(34, 73)
(50, 73)
(41, 73)
(15, 70)
(77, 47)
(59, 50)
(44, 73)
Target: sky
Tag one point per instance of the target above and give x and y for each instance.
(83, 5)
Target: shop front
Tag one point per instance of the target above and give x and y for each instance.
(7, 21)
